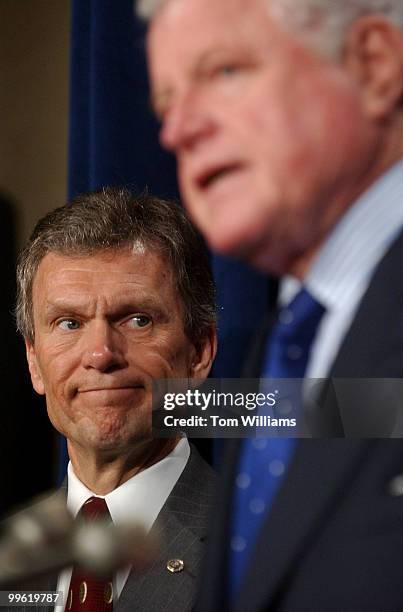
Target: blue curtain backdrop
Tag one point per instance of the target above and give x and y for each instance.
(113, 141)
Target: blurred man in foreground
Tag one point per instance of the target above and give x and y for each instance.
(286, 118)
(115, 292)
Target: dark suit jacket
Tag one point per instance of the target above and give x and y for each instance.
(333, 541)
(183, 525)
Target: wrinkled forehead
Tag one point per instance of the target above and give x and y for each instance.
(193, 20)
(135, 264)
(185, 33)
(177, 8)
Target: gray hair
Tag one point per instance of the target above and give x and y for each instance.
(323, 22)
(112, 219)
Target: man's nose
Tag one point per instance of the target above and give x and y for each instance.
(103, 348)
(185, 124)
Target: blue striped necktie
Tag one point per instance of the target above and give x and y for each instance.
(263, 461)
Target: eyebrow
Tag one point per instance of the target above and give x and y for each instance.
(62, 306)
(160, 99)
(65, 306)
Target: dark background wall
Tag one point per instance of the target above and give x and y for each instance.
(34, 65)
(73, 92)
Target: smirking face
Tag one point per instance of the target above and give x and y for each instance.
(107, 325)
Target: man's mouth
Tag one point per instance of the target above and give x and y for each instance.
(110, 391)
(212, 176)
(117, 388)
(100, 397)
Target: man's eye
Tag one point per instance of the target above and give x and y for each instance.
(68, 324)
(227, 69)
(139, 321)
(223, 70)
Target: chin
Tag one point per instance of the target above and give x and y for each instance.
(112, 445)
(112, 436)
(268, 265)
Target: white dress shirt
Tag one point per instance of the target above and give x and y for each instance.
(343, 268)
(139, 499)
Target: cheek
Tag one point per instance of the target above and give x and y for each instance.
(60, 412)
(347, 127)
(57, 370)
(273, 136)
(302, 135)
(168, 358)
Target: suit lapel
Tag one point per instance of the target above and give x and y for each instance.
(301, 506)
(321, 471)
(367, 351)
(214, 596)
(158, 588)
(181, 530)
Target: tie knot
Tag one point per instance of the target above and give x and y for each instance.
(290, 340)
(94, 508)
(301, 317)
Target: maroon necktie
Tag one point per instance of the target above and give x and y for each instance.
(89, 593)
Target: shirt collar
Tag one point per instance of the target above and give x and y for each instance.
(346, 261)
(140, 498)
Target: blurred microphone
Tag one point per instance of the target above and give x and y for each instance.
(44, 538)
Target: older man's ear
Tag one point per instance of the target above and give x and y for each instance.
(205, 352)
(373, 54)
(34, 369)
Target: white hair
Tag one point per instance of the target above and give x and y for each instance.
(323, 23)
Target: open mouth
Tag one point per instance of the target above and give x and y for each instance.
(212, 176)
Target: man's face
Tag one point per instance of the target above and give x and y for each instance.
(106, 326)
(271, 139)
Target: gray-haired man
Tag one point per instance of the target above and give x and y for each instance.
(286, 119)
(115, 291)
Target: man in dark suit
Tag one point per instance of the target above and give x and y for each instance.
(286, 119)
(115, 292)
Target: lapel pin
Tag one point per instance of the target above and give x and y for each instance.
(175, 565)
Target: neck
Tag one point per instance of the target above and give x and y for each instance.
(391, 153)
(104, 471)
